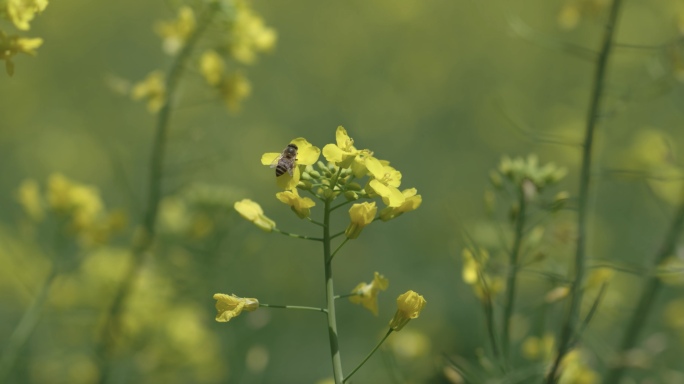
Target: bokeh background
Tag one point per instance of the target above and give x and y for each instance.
(442, 89)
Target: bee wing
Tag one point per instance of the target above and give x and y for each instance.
(275, 161)
(290, 170)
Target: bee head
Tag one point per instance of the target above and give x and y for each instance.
(291, 148)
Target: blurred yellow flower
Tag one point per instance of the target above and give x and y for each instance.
(534, 348)
(229, 306)
(307, 154)
(573, 11)
(598, 277)
(576, 370)
(409, 345)
(212, 67)
(385, 182)
(234, 89)
(30, 199)
(367, 294)
(342, 153)
(474, 274)
(411, 203)
(300, 205)
(361, 215)
(13, 45)
(556, 294)
(250, 35)
(253, 212)
(409, 306)
(21, 12)
(153, 88)
(174, 33)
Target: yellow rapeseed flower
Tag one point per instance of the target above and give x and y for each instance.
(153, 88)
(576, 370)
(250, 35)
(342, 153)
(367, 294)
(10, 46)
(411, 203)
(361, 215)
(21, 12)
(307, 154)
(212, 67)
(409, 306)
(176, 32)
(253, 212)
(534, 348)
(234, 89)
(300, 205)
(229, 306)
(385, 182)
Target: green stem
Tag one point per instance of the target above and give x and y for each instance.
(649, 294)
(338, 234)
(296, 236)
(369, 355)
(572, 319)
(109, 333)
(315, 222)
(294, 307)
(330, 298)
(339, 247)
(340, 205)
(346, 295)
(25, 328)
(512, 275)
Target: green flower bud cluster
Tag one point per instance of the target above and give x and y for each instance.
(519, 169)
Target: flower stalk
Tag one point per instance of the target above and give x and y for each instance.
(330, 297)
(110, 330)
(389, 331)
(513, 273)
(572, 320)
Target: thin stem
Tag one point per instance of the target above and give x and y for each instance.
(337, 235)
(315, 222)
(347, 295)
(296, 236)
(648, 295)
(294, 307)
(330, 298)
(25, 328)
(513, 274)
(333, 182)
(110, 330)
(340, 205)
(339, 247)
(583, 196)
(369, 355)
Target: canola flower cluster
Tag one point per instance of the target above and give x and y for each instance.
(78, 206)
(20, 13)
(355, 178)
(241, 35)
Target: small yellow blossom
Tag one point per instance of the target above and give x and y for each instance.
(385, 182)
(361, 215)
(13, 45)
(411, 203)
(153, 88)
(229, 306)
(556, 294)
(300, 205)
(474, 274)
(21, 12)
(250, 36)
(212, 67)
(234, 89)
(342, 153)
(253, 212)
(598, 277)
(367, 294)
(409, 306)
(175, 33)
(30, 200)
(307, 154)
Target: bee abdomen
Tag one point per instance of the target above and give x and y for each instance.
(280, 169)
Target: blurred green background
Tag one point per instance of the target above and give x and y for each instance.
(432, 86)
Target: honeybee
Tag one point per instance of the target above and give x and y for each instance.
(285, 161)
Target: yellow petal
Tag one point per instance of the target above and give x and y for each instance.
(391, 196)
(307, 154)
(269, 157)
(333, 153)
(343, 140)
